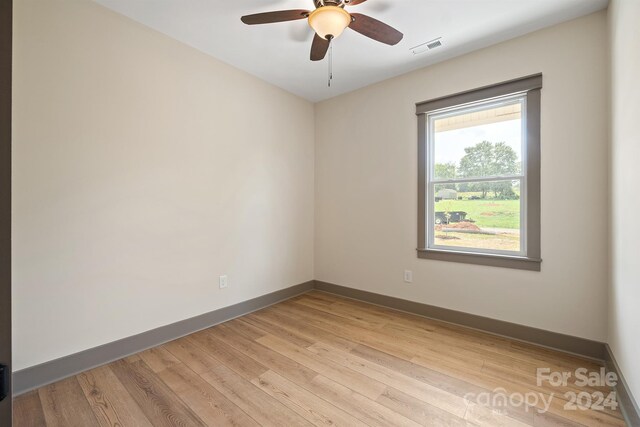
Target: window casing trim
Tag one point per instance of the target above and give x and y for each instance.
(523, 84)
(530, 176)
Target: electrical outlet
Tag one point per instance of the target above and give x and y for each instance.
(408, 276)
(224, 282)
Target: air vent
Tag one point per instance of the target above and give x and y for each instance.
(434, 44)
(426, 46)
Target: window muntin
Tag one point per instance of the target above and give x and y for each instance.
(475, 177)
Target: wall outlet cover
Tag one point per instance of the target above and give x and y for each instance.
(408, 276)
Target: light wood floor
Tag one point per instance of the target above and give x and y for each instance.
(317, 359)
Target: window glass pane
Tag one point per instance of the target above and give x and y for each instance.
(477, 215)
(478, 141)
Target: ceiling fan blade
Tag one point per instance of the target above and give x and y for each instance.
(319, 48)
(355, 2)
(374, 29)
(271, 17)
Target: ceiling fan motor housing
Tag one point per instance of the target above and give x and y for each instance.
(320, 3)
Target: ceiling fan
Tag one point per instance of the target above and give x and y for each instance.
(329, 20)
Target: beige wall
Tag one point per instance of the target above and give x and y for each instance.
(624, 299)
(144, 169)
(366, 185)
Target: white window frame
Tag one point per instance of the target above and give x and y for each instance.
(432, 181)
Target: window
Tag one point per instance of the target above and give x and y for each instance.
(479, 176)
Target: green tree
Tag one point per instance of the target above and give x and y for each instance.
(445, 171)
(505, 163)
(490, 159)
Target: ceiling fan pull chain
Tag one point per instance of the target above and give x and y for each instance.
(330, 64)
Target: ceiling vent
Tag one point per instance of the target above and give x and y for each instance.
(426, 46)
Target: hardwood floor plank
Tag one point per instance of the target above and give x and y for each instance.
(247, 329)
(495, 365)
(204, 399)
(368, 318)
(388, 342)
(368, 411)
(133, 358)
(428, 328)
(109, 400)
(384, 313)
(274, 315)
(437, 379)
(469, 336)
(429, 376)
(192, 355)
(342, 328)
(320, 297)
(27, 410)
(483, 416)
(311, 300)
(65, 405)
(269, 358)
(228, 355)
(509, 387)
(161, 406)
(413, 333)
(263, 408)
(585, 416)
(418, 411)
(433, 361)
(520, 375)
(548, 419)
(158, 358)
(317, 411)
(358, 382)
(493, 358)
(359, 318)
(432, 395)
(279, 331)
(546, 354)
(403, 348)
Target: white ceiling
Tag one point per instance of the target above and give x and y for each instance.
(279, 53)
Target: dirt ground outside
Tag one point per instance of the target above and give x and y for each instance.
(507, 240)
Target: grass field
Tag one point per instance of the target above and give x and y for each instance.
(486, 213)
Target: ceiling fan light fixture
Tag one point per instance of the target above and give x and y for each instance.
(329, 21)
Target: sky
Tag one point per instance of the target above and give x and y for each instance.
(450, 145)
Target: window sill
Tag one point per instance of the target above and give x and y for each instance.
(504, 261)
